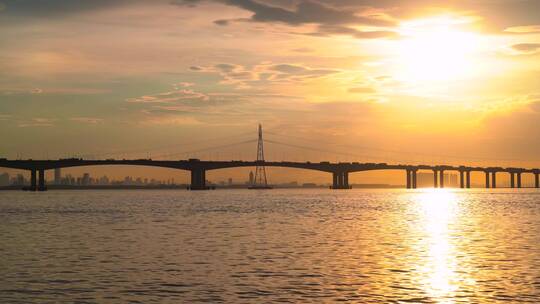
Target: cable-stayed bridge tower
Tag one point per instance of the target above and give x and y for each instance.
(260, 181)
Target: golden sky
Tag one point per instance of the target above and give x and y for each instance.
(387, 80)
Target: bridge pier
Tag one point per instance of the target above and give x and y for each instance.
(411, 175)
(494, 179)
(441, 178)
(340, 180)
(536, 180)
(33, 183)
(198, 180)
(518, 174)
(435, 179)
(462, 179)
(468, 179)
(512, 180)
(487, 179)
(41, 180)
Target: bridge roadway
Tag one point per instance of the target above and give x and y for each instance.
(340, 171)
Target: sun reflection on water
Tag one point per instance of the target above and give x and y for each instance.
(437, 210)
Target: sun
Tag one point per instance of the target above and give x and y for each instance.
(434, 50)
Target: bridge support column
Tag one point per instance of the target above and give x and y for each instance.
(536, 180)
(512, 180)
(198, 180)
(340, 180)
(33, 183)
(468, 179)
(441, 178)
(435, 179)
(494, 179)
(41, 180)
(518, 179)
(487, 180)
(409, 182)
(414, 183)
(461, 179)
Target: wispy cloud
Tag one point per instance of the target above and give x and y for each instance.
(176, 95)
(88, 120)
(36, 122)
(526, 29)
(526, 48)
(243, 76)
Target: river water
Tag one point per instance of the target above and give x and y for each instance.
(289, 246)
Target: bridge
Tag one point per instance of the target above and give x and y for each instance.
(339, 170)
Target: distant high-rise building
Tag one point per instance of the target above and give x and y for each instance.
(251, 178)
(57, 176)
(104, 180)
(4, 179)
(69, 180)
(85, 181)
(18, 180)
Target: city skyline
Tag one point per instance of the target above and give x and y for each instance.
(86, 179)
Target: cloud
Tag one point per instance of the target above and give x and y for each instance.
(222, 22)
(186, 106)
(183, 85)
(330, 19)
(265, 73)
(227, 68)
(304, 13)
(491, 16)
(172, 120)
(526, 48)
(50, 91)
(527, 29)
(20, 91)
(174, 96)
(57, 7)
(331, 30)
(88, 120)
(36, 122)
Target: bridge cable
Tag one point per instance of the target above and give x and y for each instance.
(405, 152)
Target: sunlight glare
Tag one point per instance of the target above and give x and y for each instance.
(438, 209)
(433, 50)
